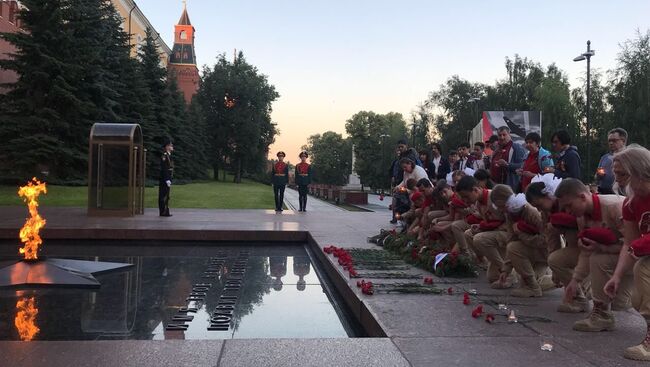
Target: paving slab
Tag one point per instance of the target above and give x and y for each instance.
(127, 353)
(406, 315)
(485, 351)
(361, 352)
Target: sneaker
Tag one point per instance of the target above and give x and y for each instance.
(574, 307)
(597, 321)
(526, 292)
(639, 352)
(498, 285)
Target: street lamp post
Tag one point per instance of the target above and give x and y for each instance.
(587, 56)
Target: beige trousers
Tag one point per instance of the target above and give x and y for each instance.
(492, 244)
(563, 261)
(529, 262)
(641, 291)
(458, 229)
(601, 269)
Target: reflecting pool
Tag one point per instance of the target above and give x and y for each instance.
(179, 290)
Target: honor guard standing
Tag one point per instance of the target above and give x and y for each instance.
(166, 174)
(303, 179)
(279, 177)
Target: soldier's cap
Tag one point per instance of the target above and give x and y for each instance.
(280, 153)
(303, 153)
(166, 142)
(564, 220)
(416, 195)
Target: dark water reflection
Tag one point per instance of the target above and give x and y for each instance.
(281, 296)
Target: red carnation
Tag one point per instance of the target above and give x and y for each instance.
(360, 283)
(450, 290)
(353, 273)
(466, 299)
(367, 288)
(489, 318)
(477, 312)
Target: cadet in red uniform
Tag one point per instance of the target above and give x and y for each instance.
(303, 179)
(279, 177)
(632, 166)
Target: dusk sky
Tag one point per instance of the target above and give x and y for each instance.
(331, 59)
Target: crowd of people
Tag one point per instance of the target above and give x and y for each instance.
(525, 216)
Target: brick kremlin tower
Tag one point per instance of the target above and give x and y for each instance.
(182, 61)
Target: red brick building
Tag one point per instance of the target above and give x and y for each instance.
(9, 22)
(182, 61)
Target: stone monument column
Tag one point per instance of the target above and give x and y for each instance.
(354, 181)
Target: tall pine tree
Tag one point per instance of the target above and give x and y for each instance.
(38, 114)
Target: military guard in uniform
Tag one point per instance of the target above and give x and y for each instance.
(279, 177)
(166, 174)
(303, 179)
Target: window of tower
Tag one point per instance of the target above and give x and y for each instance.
(183, 35)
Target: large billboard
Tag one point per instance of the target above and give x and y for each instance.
(519, 122)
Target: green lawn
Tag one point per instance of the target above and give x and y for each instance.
(209, 195)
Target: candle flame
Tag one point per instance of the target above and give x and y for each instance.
(29, 233)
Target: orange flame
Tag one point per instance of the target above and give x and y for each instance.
(29, 233)
(25, 321)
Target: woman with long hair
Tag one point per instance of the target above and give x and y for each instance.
(631, 169)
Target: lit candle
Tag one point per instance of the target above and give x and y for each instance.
(546, 343)
(600, 171)
(546, 346)
(512, 318)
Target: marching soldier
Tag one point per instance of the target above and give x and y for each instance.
(279, 177)
(166, 173)
(303, 179)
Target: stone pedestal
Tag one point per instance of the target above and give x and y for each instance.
(354, 197)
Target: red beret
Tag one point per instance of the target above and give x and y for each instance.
(527, 228)
(601, 235)
(641, 246)
(457, 203)
(472, 219)
(416, 195)
(489, 225)
(562, 219)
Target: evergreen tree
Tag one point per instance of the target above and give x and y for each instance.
(237, 102)
(157, 123)
(38, 115)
